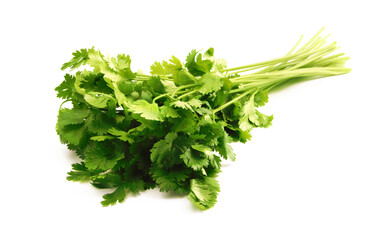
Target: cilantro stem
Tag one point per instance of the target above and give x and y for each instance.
(183, 87)
(256, 77)
(187, 94)
(275, 79)
(161, 96)
(232, 101)
(64, 103)
(144, 77)
(296, 45)
(312, 48)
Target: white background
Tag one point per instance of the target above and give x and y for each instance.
(306, 177)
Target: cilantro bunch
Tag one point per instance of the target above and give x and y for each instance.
(172, 128)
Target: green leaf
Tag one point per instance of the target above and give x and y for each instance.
(264, 120)
(158, 69)
(196, 103)
(66, 88)
(73, 134)
(80, 173)
(72, 116)
(117, 196)
(183, 77)
(209, 54)
(95, 82)
(121, 98)
(108, 180)
(173, 64)
(198, 66)
(166, 68)
(250, 117)
(169, 112)
(99, 100)
(105, 66)
(220, 65)
(79, 58)
(122, 135)
(102, 138)
(100, 156)
(162, 149)
(181, 104)
(204, 149)
(135, 186)
(225, 150)
(122, 62)
(261, 98)
(155, 84)
(186, 123)
(194, 160)
(99, 122)
(211, 82)
(146, 110)
(122, 66)
(204, 192)
(172, 179)
(169, 85)
(126, 87)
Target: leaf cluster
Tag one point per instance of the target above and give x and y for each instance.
(134, 132)
(170, 129)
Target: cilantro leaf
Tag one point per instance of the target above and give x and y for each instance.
(224, 148)
(166, 68)
(107, 180)
(261, 98)
(99, 156)
(102, 138)
(99, 122)
(181, 104)
(99, 100)
(66, 88)
(204, 192)
(163, 149)
(196, 103)
(211, 82)
(169, 112)
(220, 65)
(80, 173)
(155, 84)
(73, 134)
(116, 196)
(251, 117)
(79, 58)
(198, 66)
(146, 110)
(194, 160)
(173, 179)
(122, 135)
(72, 116)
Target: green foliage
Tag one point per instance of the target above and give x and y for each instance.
(211, 82)
(204, 192)
(170, 129)
(79, 58)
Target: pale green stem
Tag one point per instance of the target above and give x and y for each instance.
(161, 96)
(231, 101)
(187, 94)
(183, 87)
(64, 103)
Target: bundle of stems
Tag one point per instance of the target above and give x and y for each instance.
(315, 59)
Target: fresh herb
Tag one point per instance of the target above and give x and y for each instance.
(171, 129)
